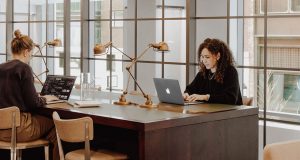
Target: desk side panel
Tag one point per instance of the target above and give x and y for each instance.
(233, 139)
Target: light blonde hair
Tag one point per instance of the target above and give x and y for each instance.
(21, 43)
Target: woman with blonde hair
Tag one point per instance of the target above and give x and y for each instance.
(17, 89)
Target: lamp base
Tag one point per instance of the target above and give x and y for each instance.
(122, 100)
(149, 105)
(122, 103)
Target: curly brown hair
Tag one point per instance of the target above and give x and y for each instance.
(215, 46)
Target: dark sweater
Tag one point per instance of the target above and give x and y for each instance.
(226, 93)
(17, 88)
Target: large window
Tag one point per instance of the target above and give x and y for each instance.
(264, 40)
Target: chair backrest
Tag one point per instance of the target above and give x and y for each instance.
(73, 130)
(283, 150)
(8, 116)
(247, 101)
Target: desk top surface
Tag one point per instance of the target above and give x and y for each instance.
(164, 112)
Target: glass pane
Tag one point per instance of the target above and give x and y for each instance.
(283, 26)
(2, 10)
(23, 27)
(95, 9)
(55, 30)
(149, 9)
(118, 71)
(56, 66)
(243, 40)
(38, 35)
(210, 9)
(126, 8)
(295, 5)
(283, 51)
(2, 58)
(38, 10)
(99, 33)
(258, 85)
(75, 9)
(211, 28)
(123, 39)
(175, 36)
(145, 74)
(99, 9)
(75, 39)
(55, 10)
(75, 69)
(174, 9)
(101, 72)
(21, 10)
(148, 32)
(176, 72)
(249, 84)
(38, 68)
(283, 91)
(275, 6)
(3, 38)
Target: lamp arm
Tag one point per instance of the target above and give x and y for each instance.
(39, 49)
(128, 70)
(127, 85)
(130, 66)
(136, 59)
(121, 52)
(38, 78)
(46, 71)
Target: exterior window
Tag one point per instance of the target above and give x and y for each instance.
(117, 14)
(280, 6)
(295, 5)
(112, 57)
(274, 6)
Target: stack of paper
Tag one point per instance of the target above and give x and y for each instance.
(87, 104)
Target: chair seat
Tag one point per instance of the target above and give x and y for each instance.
(95, 155)
(24, 145)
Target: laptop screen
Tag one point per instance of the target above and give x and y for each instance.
(60, 86)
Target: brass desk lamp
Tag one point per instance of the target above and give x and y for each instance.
(53, 43)
(161, 46)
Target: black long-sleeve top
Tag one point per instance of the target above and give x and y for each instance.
(17, 87)
(226, 93)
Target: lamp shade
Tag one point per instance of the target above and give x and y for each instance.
(161, 46)
(100, 49)
(54, 43)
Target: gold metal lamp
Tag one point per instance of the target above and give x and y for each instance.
(102, 49)
(53, 43)
(161, 46)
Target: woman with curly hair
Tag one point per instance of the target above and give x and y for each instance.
(217, 80)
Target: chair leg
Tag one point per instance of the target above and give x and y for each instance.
(46, 148)
(19, 154)
(13, 154)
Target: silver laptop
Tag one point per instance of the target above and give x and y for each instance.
(168, 91)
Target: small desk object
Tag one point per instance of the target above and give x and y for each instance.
(171, 132)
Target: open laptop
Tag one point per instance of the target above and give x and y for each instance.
(168, 91)
(59, 86)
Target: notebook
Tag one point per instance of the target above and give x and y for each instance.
(59, 86)
(168, 91)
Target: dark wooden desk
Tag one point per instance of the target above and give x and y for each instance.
(168, 132)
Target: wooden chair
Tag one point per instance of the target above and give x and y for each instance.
(288, 150)
(247, 101)
(10, 119)
(80, 130)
